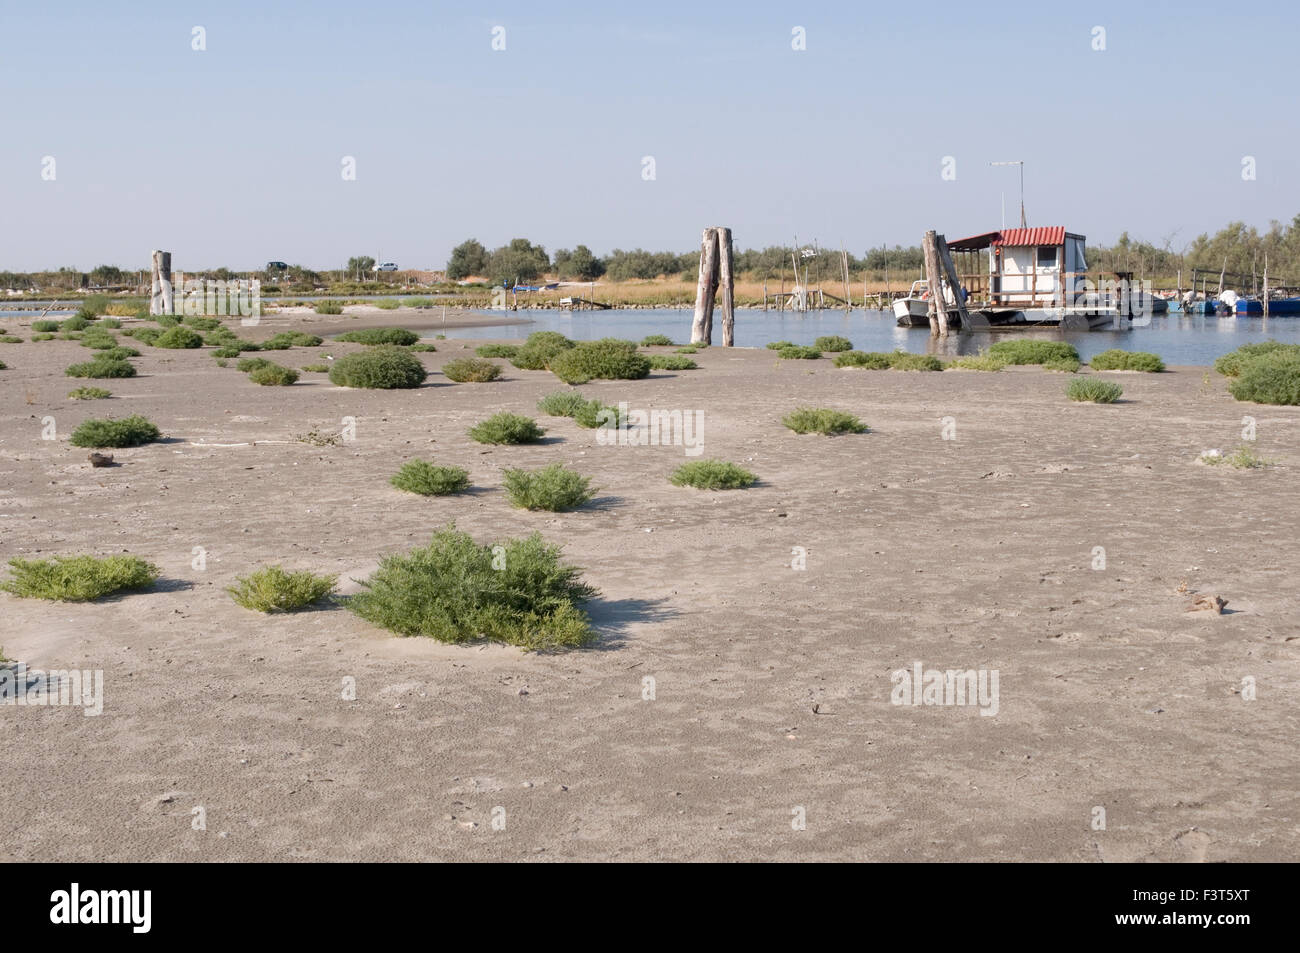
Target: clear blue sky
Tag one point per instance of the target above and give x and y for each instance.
(232, 156)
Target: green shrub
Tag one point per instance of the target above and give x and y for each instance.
(824, 421)
(563, 403)
(118, 353)
(1024, 351)
(507, 428)
(606, 359)
(1243, 458)
(78, 578)
(384, 366)
(797, 352)
(453, 591)
(506, 351)
(179, 337)
(89, 393)
(110, 323)
(422, 477)
(70, 335)
(273, 375)
(388, 304)
(1117, 360)
(779, 345)
(376, 336)
(146, 335)
(471, 369)
(43, 337)
(689, 349)
(10, 339)
(223, 352)
(102, 367)
(900, 361)
(287, 339)
(45, 325)
(657, 340)
(1271, 379)
(979, 362)
(249, 364)
(200, 323)
(671, 362)
(552, 488)
(833, 342)
(1093, 390)
(539, 349)
(133, 431)
(75, 323)
(416, 301)
(1065, 365)
(712, 475)
(1230, 364)
(423, 347)
(165, 321)
(328, 307)
(595, 414)
(98, 341)
(871, 360)
(274, 589)
(317, 368)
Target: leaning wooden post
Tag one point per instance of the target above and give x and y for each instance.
(161, 299)
(726, 287)
(938, 308)
(949, 269)
(702, 329)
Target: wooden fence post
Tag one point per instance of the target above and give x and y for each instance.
(934, 282)
(726, 287)
(161, 297)
(702, 329)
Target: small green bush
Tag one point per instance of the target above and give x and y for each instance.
(274, 589)
(100, 341)
(179, 337)
(1230, 364)
(1271, 379)
(200, 323)
(471, 369)
(689, 349)
(328, 307)
(671, 362)
(978, 362)
(1064, 365)
(78, 578)
(506, 351)
(823, 420)
(605, 359)
(287, 339)
(110, 323)
(89, 393)
(146, 335)
(10, 339)
(75, 323)
(870, 360)
(798, 352)
(317, 368)
(594, 414)
(102, 367)
(118, 353)
(900, 361)
(388, 304)
(424, 347)
(563, 403)
(833, 342)
(1117, 360)
(507, 428)
(45, 325)
(455, 590)
(377, 336)
(43, 337)
(223, 352)
(539, 349)
(422, 477)
(247, 365)
(551, 488)
(1093, 390)
(1243, 458)
(657, 340)
(779, 345)
(1025, 351)
(384, 366)
(273, 375)
(712, 475)
(133, 431)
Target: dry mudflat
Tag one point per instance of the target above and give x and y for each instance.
(772, 685)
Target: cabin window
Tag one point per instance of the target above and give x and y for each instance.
(1047, 256)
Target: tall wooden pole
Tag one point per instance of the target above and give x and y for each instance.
(160, 299)
(949, 269)
(934, 280)
(1265, 286)
(702, 329)
(726, 287)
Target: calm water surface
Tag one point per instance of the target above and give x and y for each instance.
(1177, 338)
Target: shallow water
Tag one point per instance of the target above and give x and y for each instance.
(1177, 338)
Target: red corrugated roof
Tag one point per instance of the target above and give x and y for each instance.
(1051, 235)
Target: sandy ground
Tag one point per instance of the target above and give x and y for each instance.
(772, 685)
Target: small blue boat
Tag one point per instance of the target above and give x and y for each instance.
(1202, 307)
(1275, 306)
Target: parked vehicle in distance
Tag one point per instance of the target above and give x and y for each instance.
(277, 266)
(386, 266)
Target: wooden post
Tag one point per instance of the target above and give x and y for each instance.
(702, 329)
(726, 287)
(938, 309)
(161, 298)
(764, 294)
(1265, 286)
(945, 260)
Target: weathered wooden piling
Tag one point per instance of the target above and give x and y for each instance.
(726, 287)
(716, 276)
(161, 298)
(934, 281)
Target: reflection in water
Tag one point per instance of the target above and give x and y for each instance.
(1177, 338)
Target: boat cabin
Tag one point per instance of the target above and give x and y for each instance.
(1021, 267)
